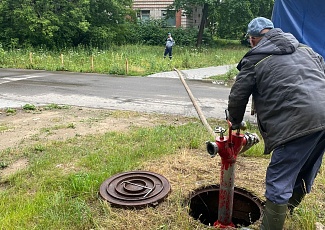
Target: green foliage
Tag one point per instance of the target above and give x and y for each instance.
(55, 106)
(103, 23)
(58, 24)
(39, 148)
(153, 32)
(142, 59)
(232, 73)
(2, 52)
(227, 23)
(3, 164)
(262, 8)
(29, 107)
(230, 25)
(3, 127)
(10, 111)
(71, 126)
(303, 217)
(227, 18)
(229, 76)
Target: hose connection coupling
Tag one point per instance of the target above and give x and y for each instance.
(251, 139)
(212, 148)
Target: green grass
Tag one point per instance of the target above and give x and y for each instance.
(57, 127)
(55, 106)
(4, 127)
(59, 188)
(134, 60)
(10, 111)
(29, 107)
(3, 165)
(48, 196)
(228, 76)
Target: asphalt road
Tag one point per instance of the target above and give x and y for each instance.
(144, 94)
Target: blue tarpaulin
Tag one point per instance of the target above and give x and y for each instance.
(304, 19)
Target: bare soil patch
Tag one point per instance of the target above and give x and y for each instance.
(186, 171)
(193, 168)
(28, 127)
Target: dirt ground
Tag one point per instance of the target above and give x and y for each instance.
(189, 170)
(27, 127)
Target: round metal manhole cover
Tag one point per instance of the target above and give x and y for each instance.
(135, 189)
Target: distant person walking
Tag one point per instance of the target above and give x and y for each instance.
(169, 46)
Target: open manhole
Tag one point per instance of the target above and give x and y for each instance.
(247, 208)
(135, 189)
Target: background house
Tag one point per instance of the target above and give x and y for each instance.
(153, 9)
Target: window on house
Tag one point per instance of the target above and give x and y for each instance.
(169, 17)
(143, 15)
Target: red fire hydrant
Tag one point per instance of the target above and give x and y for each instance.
(228, 149)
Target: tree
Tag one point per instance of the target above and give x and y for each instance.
(60, 23)
(99, 23)
(262, 8)
(226, 18)
(229, 24)
(233, 16)
(188, 5)
(108, 18)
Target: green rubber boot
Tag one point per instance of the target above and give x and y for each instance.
(295, 200)
(274, 216)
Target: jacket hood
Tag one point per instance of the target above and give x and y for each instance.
(275, 42)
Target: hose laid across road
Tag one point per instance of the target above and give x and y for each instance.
(197, 107)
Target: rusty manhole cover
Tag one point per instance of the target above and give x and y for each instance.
(135, 189)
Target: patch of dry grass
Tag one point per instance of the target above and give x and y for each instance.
(190, 170)
(186, 171)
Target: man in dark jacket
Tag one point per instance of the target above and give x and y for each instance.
(286, 80)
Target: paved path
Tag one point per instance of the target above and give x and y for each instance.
(160, 92)
(196, 74)
(204, 73)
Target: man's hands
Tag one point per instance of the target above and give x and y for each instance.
(241, 125)
(235, 125)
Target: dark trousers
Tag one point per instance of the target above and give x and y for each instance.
(294, 167)
(168, 50)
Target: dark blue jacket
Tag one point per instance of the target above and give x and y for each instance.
(287, 81)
